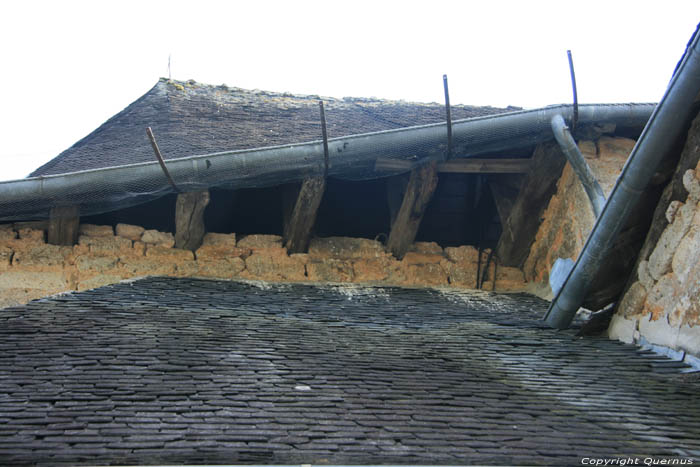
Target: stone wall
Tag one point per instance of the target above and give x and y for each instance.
(663, 304)
(31, 268)
(569, 217)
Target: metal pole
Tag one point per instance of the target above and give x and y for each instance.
(448, 111)
(149, 132)
(573, 85)
(325, 139)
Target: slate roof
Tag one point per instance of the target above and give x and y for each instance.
(190, 118)
(167, 370)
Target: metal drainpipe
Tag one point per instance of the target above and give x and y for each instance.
(660, 133)
(578, 163)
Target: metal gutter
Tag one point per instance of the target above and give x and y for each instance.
(662, 130)
(351, 157)
(578, 163)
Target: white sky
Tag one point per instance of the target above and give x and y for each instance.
(67, 66)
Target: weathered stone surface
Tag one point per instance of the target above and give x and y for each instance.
(367, 270)
(662, 256)
(329, 270)
(692, 184)
(132, 232)
(138, 266)
(32, 235)
(509, 279)
(430, 248)
(421, 258)
(106, 246)
(588, 149)
(41, 256)
(168, 254)
(98, 264)
(346, 248)
(189, 268)
(271, 264)
(6, 233)
(224, 268)
(463, 254)
(98, 281)
(260, 242)
(632, 303)
(662, 296)
(91, 230)
(5, 258)
(672, 210)
(687, 254)
(139, 248)
(461, 273)
(155, 237)
(51, 282)
(219, 239)
(643, 275)
(428, 274)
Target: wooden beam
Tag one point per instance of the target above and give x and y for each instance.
(64, 222)
(420, 189)
(189, 219)
(525, 217)
(505, 189)
(465, 165)
(395, 190)
(297, 231)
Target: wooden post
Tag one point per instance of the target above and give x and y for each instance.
(189, 219)
(525, 217)
(395, 190)
(504, 189)
(297, 231)
(420, 189)
(64, 222)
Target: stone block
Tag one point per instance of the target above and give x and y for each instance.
(692, 185)
(5, 258)
(95, 263)
(187, 269)
(275, 267)
(346, 248)
(91, 230)
(154, 237)
(461, 274)
(509, 279)
(42, 256)
(466, 253)
(220, 239)
(421, 258)
(329, 270)
(6, 233)
(662, 296)
(139, 248)
(662, 256)
(632, 303)
(431, 274)
(98, 281)
(132, 232)
(48, 282)
(20, 296)
(430, 248)
(138, 266)
(374, 269)
(168, 254)
(260, 242)
(107, 246)
(687, 255)
(32, 235)
(223, 268)
(224, 249)
(672, 210)
(588, 149)
(644, 276)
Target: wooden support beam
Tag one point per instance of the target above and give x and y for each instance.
(395, 189)
(464, 165)
(539, 185)
(420, 189)
(297, 231)
(189, 219)
(504, 189)
(64, 222)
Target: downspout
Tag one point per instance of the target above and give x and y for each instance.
(661, 131)
(578, 163)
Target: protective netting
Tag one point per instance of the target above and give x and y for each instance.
(358, 157)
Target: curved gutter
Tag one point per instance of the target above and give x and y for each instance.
(662, 130)
(351, 157)
(578, 163)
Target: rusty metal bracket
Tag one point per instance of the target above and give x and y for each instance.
(149, 132)
(448, 111)
(325, 139)
(573, 85)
